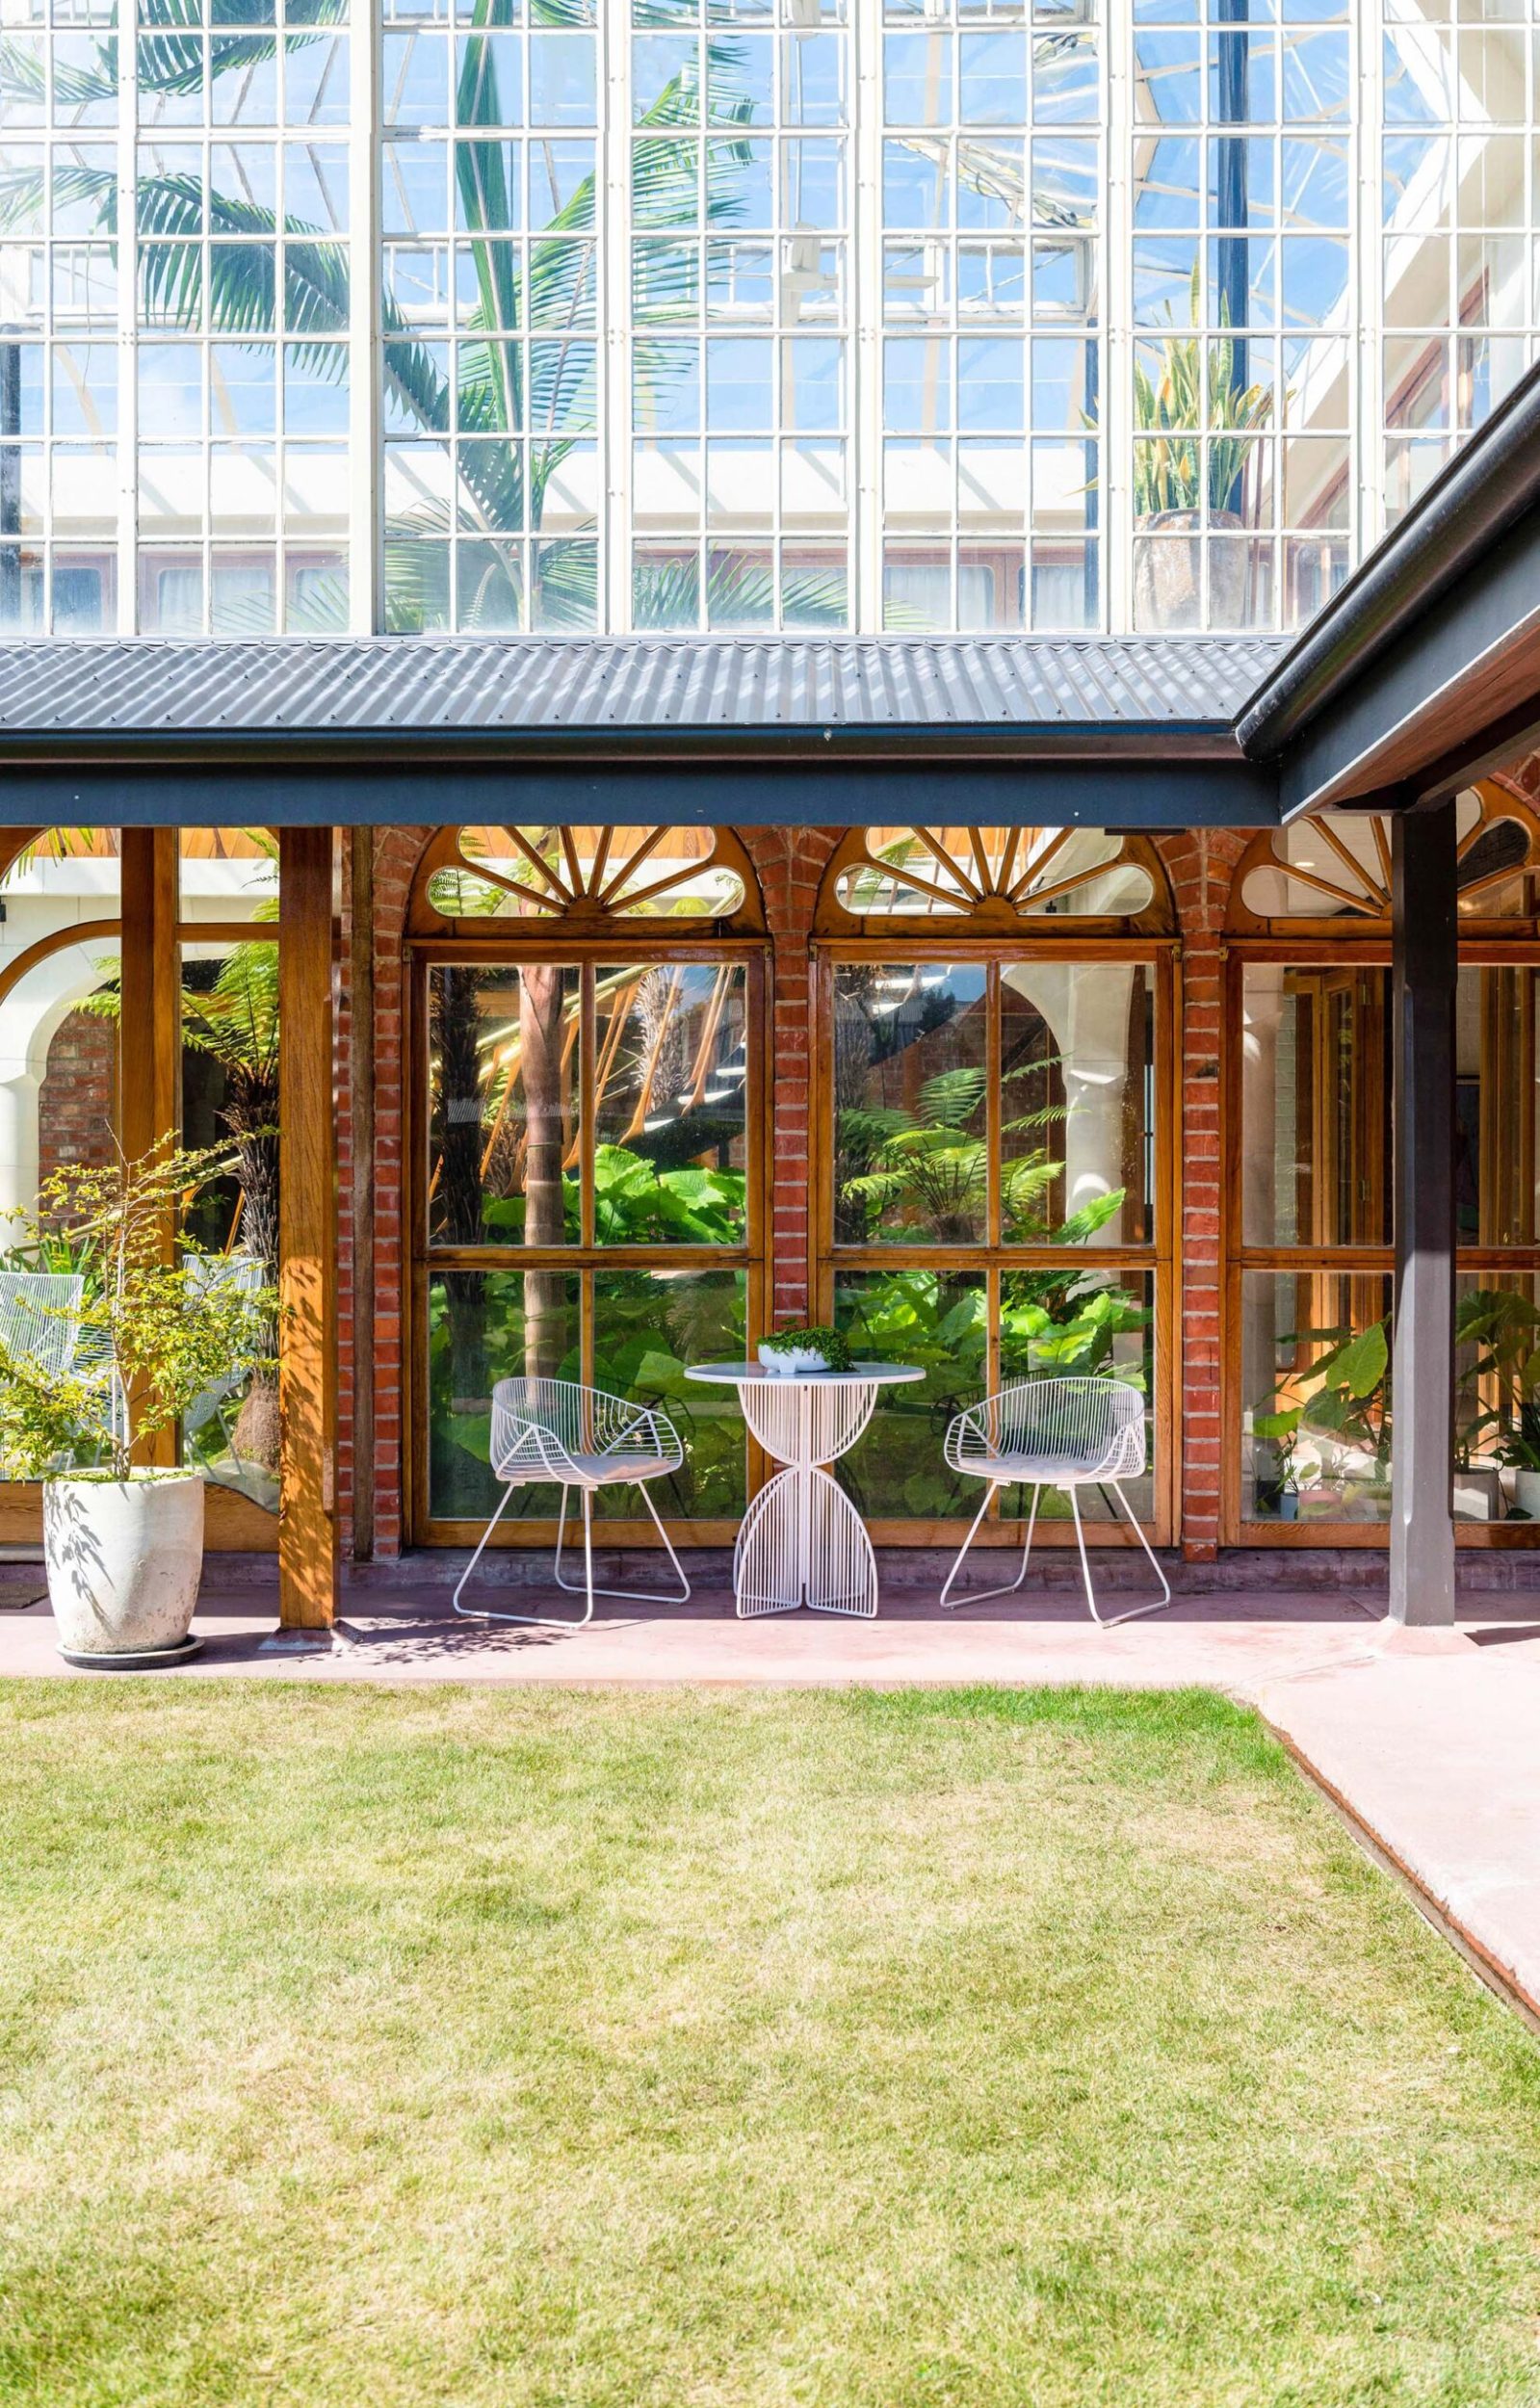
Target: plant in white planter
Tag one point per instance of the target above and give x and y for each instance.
(136, 1340)
(810, 1346)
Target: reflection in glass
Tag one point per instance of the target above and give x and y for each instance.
(670, 1073)
(57, 1080)
(647, 1326)
(1497, 1175)
(937, 1320)
(909, 1085)
(1077, 1136)
(1315, 1105)
(645, 873)
(1065, 1325)
(230, 1097)
(484, 1327)
(503, 1105)
(1316, 1401)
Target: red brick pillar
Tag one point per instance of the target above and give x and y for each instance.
(1201, 866)
(791, 863)
(396, 858)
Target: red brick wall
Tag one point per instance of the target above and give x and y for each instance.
(789, 863)
(1200, 865)
(75, 1100)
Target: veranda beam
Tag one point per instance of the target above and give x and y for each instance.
(307, 1235)
(1424, 960)
(149, 1031)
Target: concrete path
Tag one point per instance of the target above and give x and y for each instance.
(1431, 1743)
(1436, 1756)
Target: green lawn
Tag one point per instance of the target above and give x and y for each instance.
(673, 2049)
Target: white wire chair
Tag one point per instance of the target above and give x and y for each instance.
(41, 1322)
(1053, 1433)
(39, 1316)
(583, 1438)
(246, 1273)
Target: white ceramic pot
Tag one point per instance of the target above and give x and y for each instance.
(790, 1362)
(1527, 1493)
(123, 1559)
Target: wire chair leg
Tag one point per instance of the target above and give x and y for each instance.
(588, 1549)
(1157, 1605)
(472, 1612)
(1007, 1588)
(1085, 1564)
(637, 1596)
(531, 1621)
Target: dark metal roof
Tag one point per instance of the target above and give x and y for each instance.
(147, 696)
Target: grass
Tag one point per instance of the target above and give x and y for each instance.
(669, 2050)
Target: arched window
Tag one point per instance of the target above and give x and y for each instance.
(993, 1148)
(696, 879)
(994, 878)
(589, 1164)
(1309, 1419)
(1334, 867)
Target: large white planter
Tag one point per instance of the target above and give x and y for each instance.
(123, 1559)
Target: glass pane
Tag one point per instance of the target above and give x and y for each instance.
(1315, 1381)
(1316, 1106)
(59, 1033)
(1497, 1173)
(670, 1071)
(1068, 1325)
(650, 873)
(897, 1470)
(909, 1080)
(1075, 1102)
(484, 1327)
(1497, 1397)
(503, 1105)
(230, 1097)
(647, 1326)
(228, 874)
(1337, 868)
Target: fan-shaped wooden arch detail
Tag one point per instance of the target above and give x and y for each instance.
(1331, 873)
(993, 880)
(691, 880)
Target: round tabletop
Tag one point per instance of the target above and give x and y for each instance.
(863, 1376)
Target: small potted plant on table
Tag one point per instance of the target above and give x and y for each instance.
(806, 1346)
(123, 1541)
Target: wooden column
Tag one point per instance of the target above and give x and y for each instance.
(1424, 956)
(149, 1034)
(307, 1235)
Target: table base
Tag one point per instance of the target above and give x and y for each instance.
(802, 1543)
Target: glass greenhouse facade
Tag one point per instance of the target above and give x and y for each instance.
(725, 315)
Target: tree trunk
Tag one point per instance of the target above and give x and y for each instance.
(250, 1113)
(457, 1129)
(542, 1031)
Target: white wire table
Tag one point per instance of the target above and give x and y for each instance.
(802, 1542)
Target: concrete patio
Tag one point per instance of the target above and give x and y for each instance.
(1426, 1742)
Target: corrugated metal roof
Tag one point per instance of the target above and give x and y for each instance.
(145, 688)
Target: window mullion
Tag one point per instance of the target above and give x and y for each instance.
(866, 311)
(586, 1103)
(365, 358)
(615, 435)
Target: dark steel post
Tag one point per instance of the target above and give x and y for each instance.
(1424, 956)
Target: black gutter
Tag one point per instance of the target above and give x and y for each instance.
(1489, 484)
(1087, 743)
